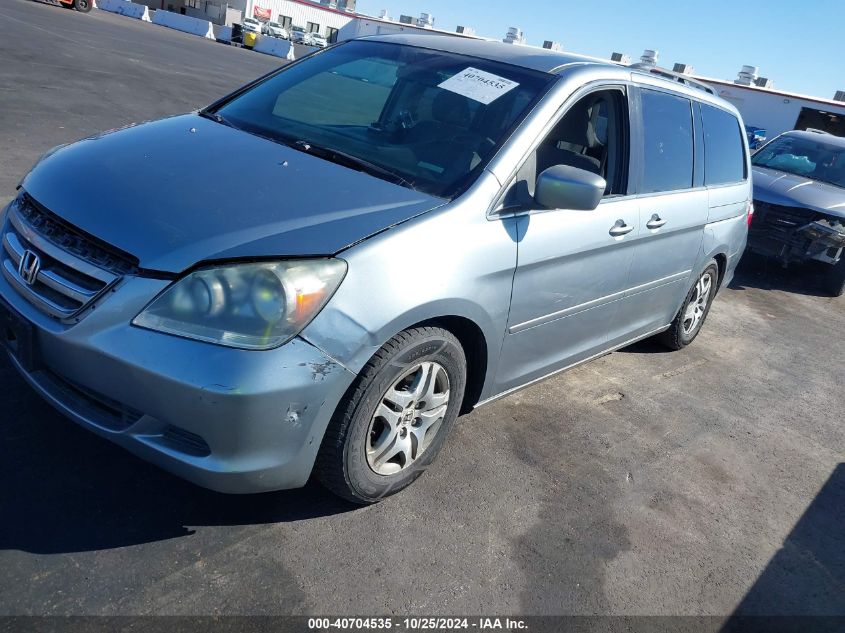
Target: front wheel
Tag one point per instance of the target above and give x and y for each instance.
(393, 422)
(83, 6)
(835, 281)
(687, 323)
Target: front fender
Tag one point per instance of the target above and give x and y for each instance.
(451, 262)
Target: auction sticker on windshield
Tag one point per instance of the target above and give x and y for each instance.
(478, 85)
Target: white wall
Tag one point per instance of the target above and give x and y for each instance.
(775, 113)
(304, 13)
(362, 27)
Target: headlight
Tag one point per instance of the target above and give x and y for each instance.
(252, 306)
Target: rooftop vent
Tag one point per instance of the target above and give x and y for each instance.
(465, 30)
(839, 96)
(514, 36)
(552, 46)
(620, 58)
(764, 82)
(746, 76)
(649, 57)
(683, 69)
(406, 19)
(425, 20)
(383, 15)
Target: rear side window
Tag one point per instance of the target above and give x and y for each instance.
(667, 142)
(724, 153)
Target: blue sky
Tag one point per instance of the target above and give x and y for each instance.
(796, 43)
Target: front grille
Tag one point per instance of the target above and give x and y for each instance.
(780, 219)
(64, 270)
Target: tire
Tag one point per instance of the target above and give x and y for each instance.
(689, 320)
(835, 281)
(394, 419)
(83, 6)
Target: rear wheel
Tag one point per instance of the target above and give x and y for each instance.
(392, 424)
(835, 281)
(83, 6)
(691, 316)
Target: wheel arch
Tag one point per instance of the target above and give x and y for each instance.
(722, 263)
(478, 332)
(472, 339)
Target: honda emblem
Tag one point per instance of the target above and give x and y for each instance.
(29, 266)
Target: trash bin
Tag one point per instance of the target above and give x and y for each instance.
(250, 39)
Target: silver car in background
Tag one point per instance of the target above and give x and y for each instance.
(274, 29)
(461, 219)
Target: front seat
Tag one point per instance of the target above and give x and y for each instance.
(575, 130)
(444, 144)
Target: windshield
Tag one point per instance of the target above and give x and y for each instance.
(810, 158)
(430, 119)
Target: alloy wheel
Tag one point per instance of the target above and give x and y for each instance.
(697, 306)
(407, 418)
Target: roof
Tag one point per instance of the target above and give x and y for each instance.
(822, 137)
(531, 57)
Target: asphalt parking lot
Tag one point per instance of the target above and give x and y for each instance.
(706, 481)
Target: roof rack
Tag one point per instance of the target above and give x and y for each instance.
(673, 76)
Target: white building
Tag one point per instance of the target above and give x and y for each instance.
(364, 25)
(336, 20)
(778, 111)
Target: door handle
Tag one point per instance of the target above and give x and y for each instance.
(620, 228)
(655, 222)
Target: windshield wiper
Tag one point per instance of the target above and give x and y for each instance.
(354, 162)
(217, 118)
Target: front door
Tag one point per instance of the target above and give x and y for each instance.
(572, 266)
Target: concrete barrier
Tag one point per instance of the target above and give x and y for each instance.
(185, 23)
(124, 7)
(274, 46)
(223, 33)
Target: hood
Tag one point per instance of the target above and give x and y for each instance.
(778, 187)
(186, 189)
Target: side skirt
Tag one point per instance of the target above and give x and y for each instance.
(609, 350)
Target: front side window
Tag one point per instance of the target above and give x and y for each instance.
(426, 119)
(667, 142)
(592, 135)
(724, 151)
(811, 158)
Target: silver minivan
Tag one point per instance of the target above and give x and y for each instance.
(460, 219)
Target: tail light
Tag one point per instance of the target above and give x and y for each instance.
(749, 211)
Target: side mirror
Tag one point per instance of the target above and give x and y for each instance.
(565, 187)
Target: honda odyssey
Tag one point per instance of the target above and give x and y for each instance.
(461, 219)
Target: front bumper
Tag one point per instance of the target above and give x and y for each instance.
(793, 234)
(230, 420)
